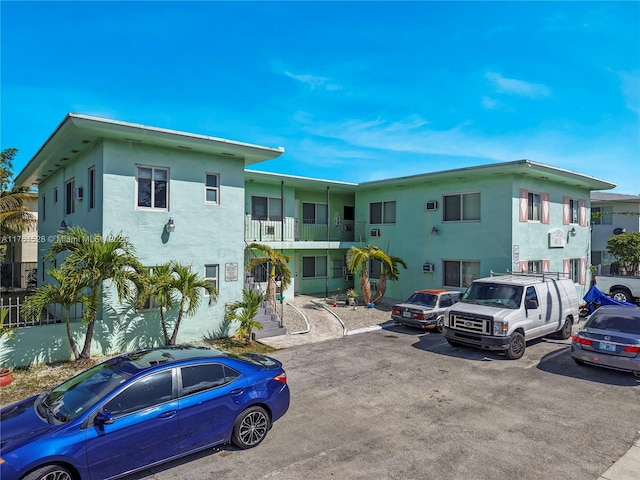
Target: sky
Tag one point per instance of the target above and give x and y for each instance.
(353, 91)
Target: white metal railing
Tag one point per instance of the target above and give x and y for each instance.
(51, 314)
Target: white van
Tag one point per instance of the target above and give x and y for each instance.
(504, 312)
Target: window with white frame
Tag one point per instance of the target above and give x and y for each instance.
(211, 275)
(69, 200)
(382, 212)
(212, 188)
(534, 266)
(602, 215)
(266, 208)
(574, 269)
(534, 207)
(314, 267)
(574, 211)
(314, 213)
(461, 207)
(92, 188)
(460, 273)
(152, 188)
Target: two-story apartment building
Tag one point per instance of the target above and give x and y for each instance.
(186, 197)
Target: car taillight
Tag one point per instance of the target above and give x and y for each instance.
(395, 311)
(581, 340)
(281, 377)
(420, 316)
(632, 348)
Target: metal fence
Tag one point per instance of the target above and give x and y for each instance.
(11, 309)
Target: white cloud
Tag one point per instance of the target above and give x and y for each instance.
(313, 81)
(489, 103)
(517, 87)
(630, 86)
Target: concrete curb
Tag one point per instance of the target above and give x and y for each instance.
(627, 467)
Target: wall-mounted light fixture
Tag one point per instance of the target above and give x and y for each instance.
(63, 225)
(171, 226)
(434, 231)
(572, 232)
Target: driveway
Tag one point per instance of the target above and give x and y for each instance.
(402, 404)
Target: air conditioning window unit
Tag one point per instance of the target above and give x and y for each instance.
(375, 232)
(78, 193)
(428, 267)
(432, 205)
(269, 229)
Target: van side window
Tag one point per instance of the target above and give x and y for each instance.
(531, 295)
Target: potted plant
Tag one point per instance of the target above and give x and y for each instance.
(351, 297)
(5, 377)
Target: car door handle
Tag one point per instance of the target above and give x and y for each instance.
(237, 391)
(169, 414)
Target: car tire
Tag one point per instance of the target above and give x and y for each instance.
(250, 427)
(566, 330)
(517, 346)
(50, 472)
(440, 324)
(621, 295)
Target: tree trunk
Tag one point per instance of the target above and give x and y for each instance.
(86, 349)
(72, 342)
(174, 336)
(271, 292)
(365, 287)
(165, 333)
(382, 288)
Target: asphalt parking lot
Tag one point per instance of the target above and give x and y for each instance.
(403, 404)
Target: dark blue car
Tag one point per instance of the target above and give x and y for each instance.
(141, 409)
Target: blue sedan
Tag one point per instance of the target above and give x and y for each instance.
(141, 409)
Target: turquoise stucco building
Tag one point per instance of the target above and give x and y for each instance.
(199, 200)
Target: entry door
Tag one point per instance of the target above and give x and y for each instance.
(296, 285)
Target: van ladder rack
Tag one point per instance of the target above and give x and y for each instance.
(542, 275)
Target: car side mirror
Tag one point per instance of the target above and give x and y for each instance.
(531, 304)
(104, 417)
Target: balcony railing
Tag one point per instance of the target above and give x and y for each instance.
(294, 230)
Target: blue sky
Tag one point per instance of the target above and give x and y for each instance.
(353, 91)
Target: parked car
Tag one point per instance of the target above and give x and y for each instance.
(503, 312)
(610, 338)
(424, 308)
(141, 409)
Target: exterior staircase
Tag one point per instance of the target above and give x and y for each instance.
(271, 322)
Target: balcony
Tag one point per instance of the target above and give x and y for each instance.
(294, 230)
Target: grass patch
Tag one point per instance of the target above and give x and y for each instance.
(28, 381)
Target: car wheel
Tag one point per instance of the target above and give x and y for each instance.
(517, 346)
(440, 324)
(250, 428)
(566, 330)
(621, 295)
(50, 472)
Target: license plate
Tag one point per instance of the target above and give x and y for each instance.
(406, 314)
(607, 347)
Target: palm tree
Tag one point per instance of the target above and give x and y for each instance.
(62, 294)
(275, 261)
(359, 258)
(92, 260)
(184, 287)
(389, 272)
(15, 216)
(248, 306)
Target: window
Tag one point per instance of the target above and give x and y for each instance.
(460, 273)
(534, 266)
(574, 269)
(152, 187)
(462, 207)
(534, 207)
(601, 215)
(211, 275)
(337, 268)
(211, 188)
(92, 188)
(314, 267)
(146, 392)
(44, 208)
(602, 257)
(382, 212)
(574, 209)
(375, 269)
(69, 201)
(199, 378)
(349, 212)
(266, 208)
(55, 195)
(531, 295)
(314, 213)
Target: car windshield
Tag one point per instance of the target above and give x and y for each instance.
(70, 399)
(425, 299)
(494, 294)
(615, 323)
